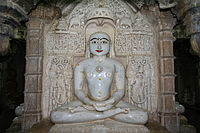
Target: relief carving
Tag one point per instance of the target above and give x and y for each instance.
(77, 21)
(141, 82)
(77, 16)
(141, 26)
(124, 23)
(136, 38)
(129, 44)
(67, 38)
(61, 25)
(60, 76)
(61, 46)
(66, 42)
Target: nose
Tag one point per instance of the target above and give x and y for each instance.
(99, 46)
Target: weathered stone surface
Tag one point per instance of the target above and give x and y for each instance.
(167, 84)
(106, 126)
(4, 44)
(46, 12)
(42, 127)
(167, 48)
(165, 4)
(187, 129)
(12, 13)
(155, 127)
(169, 119)
(184, 5)
(188, 12)
(167, 66)
(171, 123)
(33, 84)
(6, 29)
(169, 103)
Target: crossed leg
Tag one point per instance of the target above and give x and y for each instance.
(135, 115)
(75, 112)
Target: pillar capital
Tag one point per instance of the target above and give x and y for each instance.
(12, 14)
(189, 13)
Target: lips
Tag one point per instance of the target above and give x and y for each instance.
(99, 51)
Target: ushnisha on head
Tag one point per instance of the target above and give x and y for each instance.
(99, 43)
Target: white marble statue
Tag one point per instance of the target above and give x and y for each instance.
(99, 72)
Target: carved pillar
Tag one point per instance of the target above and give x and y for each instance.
(167, 76)
(34, 59)
(33, 75)
(189, 12)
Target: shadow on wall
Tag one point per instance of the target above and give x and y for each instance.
(12, 69)
(187, 69)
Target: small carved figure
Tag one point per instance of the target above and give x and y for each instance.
(77, 21)
(99, 72)
(125, 23)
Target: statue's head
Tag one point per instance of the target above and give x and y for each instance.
(99, 43)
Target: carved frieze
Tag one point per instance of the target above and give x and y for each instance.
(66, 42)
(136, 38)
(128, 44)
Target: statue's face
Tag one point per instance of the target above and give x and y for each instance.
(99, 44)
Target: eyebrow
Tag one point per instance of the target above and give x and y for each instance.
(100, 39)
(104, 38)
(93, 39)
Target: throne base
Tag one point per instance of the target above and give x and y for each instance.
(101, 126)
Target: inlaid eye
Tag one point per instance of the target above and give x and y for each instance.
(104, 42)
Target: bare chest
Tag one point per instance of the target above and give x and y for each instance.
(102, 71)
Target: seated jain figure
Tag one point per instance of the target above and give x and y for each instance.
(99, 73)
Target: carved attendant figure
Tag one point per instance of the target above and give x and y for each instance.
(99, 72)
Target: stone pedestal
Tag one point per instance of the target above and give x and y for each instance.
(103, 126)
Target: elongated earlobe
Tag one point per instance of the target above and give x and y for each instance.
(87, 53)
